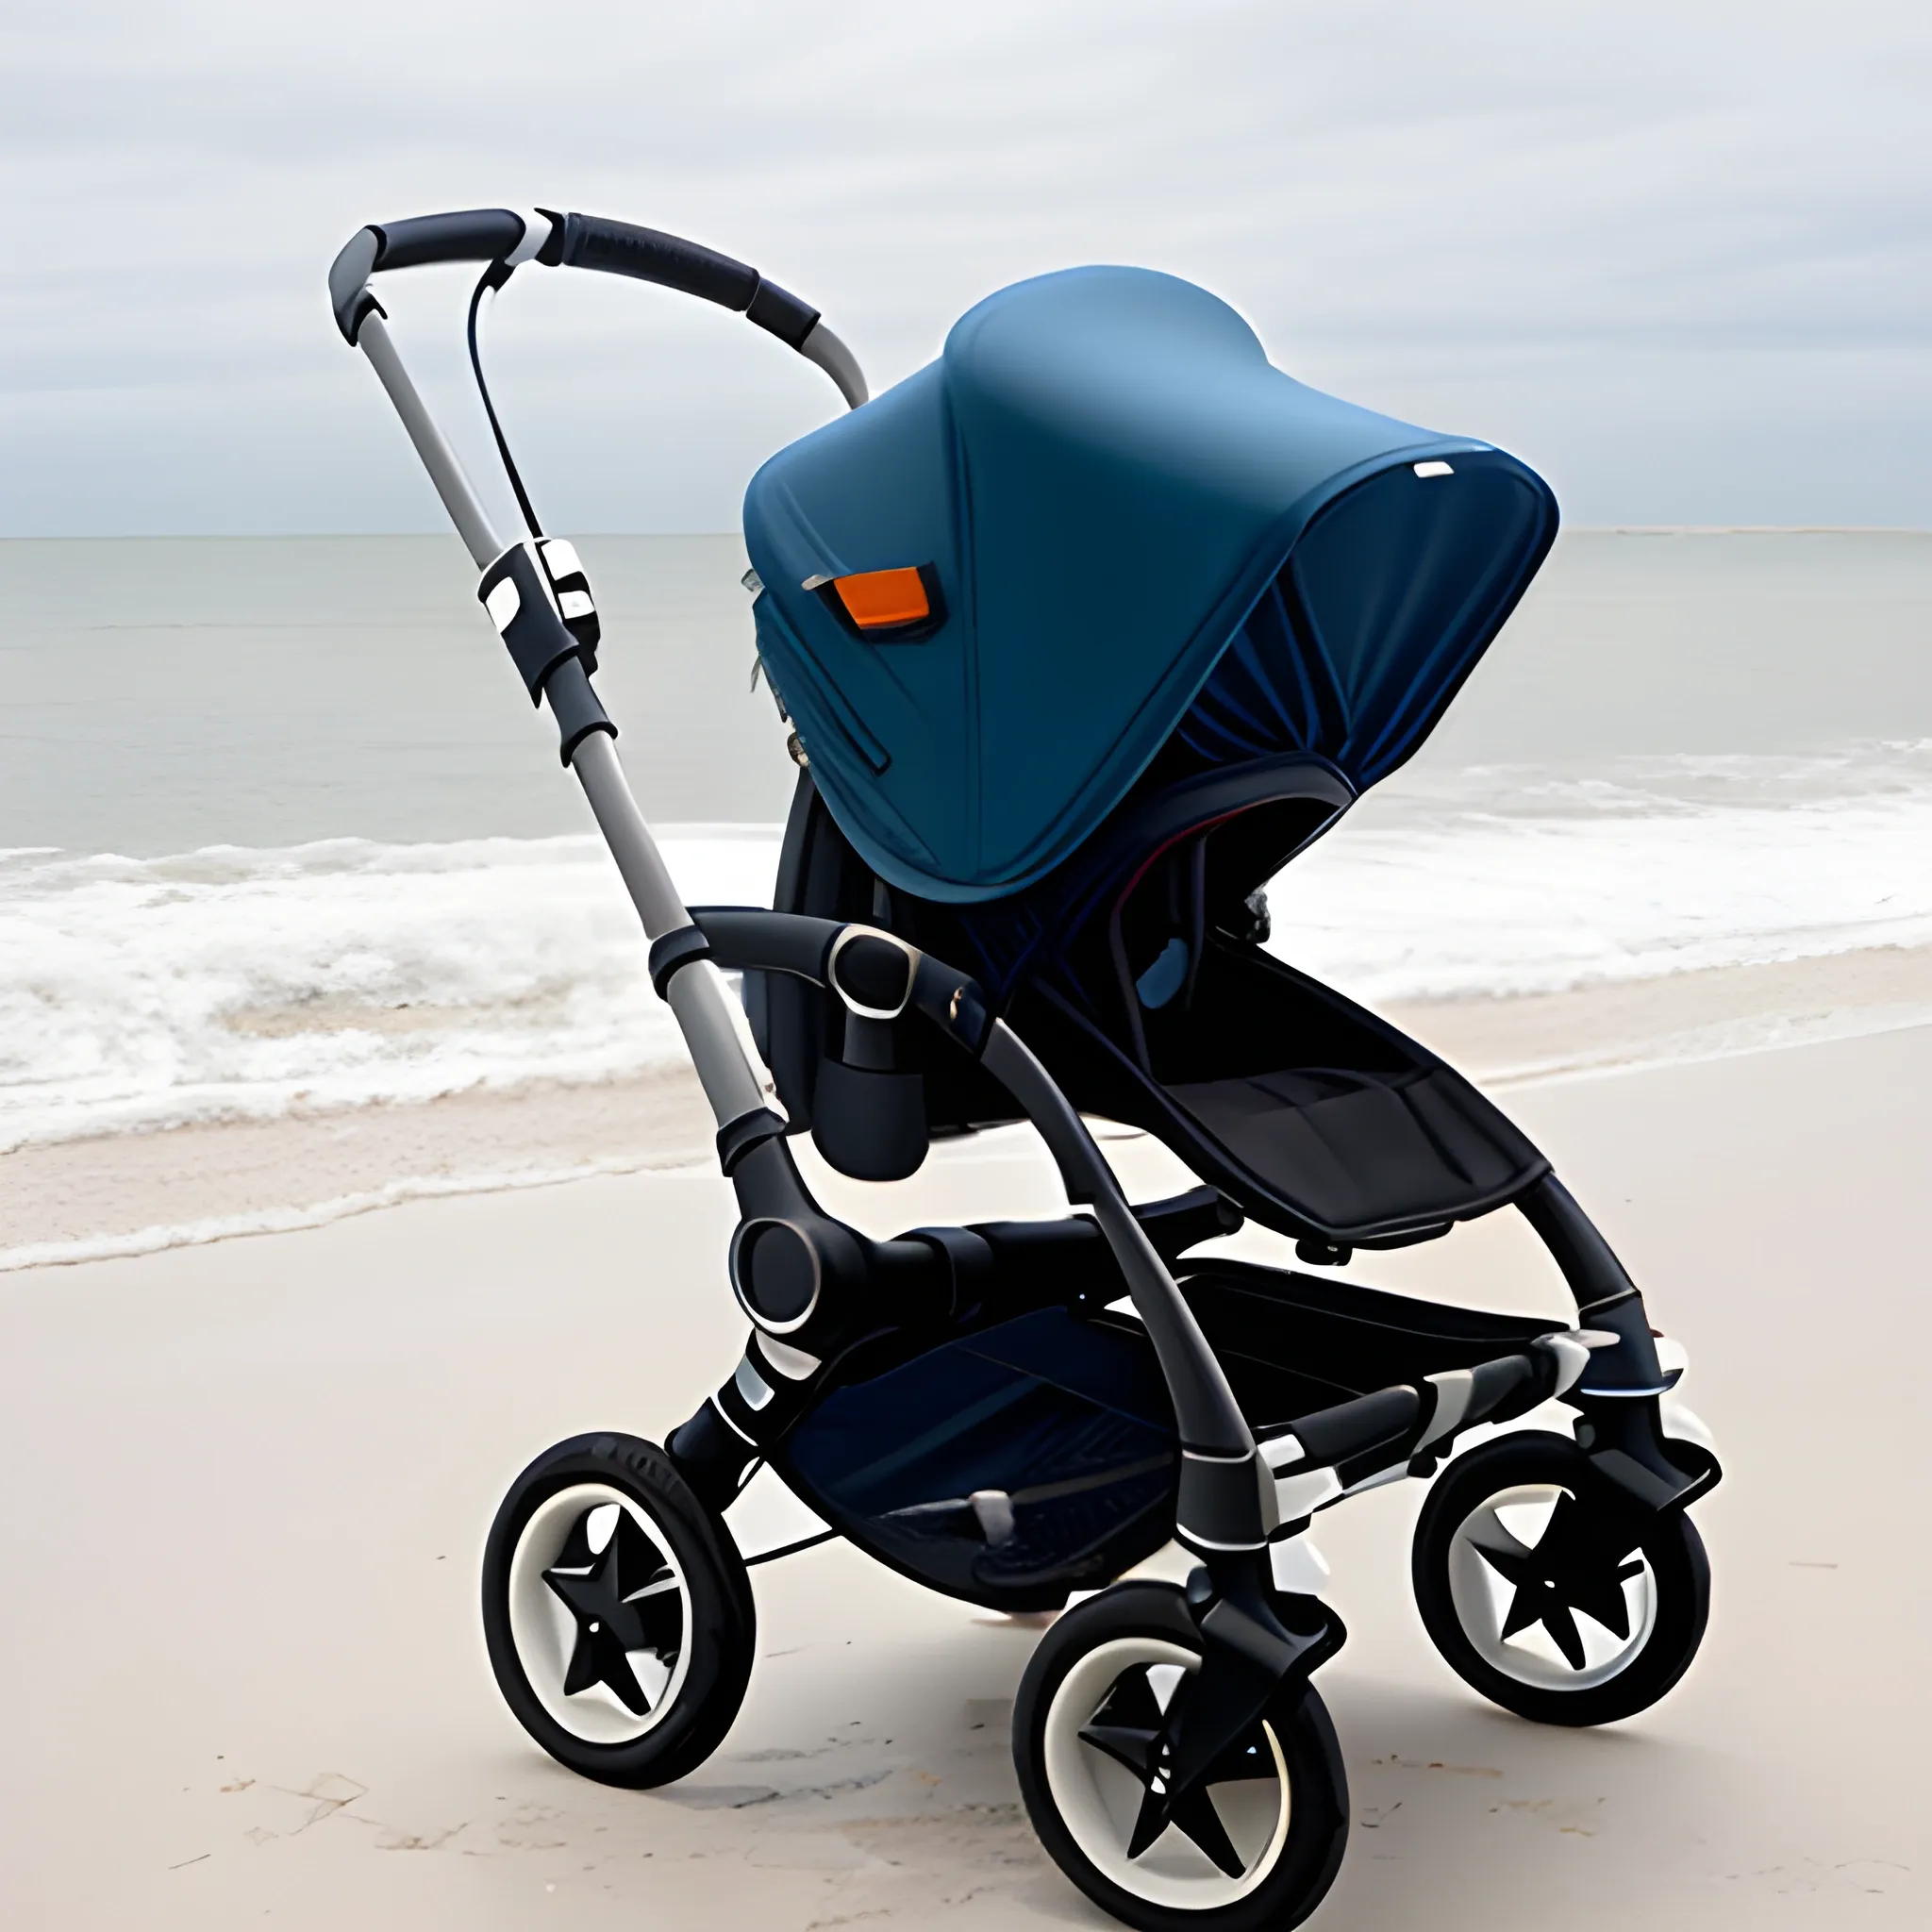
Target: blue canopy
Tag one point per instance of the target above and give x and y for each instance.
(1135, 528)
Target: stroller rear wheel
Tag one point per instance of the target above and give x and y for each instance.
(1259, 1846)
(617, 1611)
(1548, 1593)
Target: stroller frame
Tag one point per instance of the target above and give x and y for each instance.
(830, 1309)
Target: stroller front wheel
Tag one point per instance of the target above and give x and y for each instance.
(1548, 1593)
(1257, 1847)
(617, 1612)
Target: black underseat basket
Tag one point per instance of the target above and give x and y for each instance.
(1021, 1461)
(1059, 1428)
(1292, 1344)
(1138, 976)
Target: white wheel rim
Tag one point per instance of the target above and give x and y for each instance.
(1098, 1798)
(546, 1634)
(1515, 1520)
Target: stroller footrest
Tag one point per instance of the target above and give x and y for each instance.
(1321, 1456)
(1342, 1433)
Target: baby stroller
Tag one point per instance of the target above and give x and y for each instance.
(1084, 630)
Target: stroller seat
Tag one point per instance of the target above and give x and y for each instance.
(1318, 1117)
(1357, 1150)
(1146, 987)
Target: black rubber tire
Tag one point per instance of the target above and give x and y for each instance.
(1670, 1541)
(1318, 1827)
(720, 1634)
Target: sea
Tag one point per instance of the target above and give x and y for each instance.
(279, 828)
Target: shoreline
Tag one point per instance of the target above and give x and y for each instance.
(1714, 1012)
(67, 1202)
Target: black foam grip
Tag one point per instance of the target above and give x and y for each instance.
(645, 255)
(1344, 1431)
(1508, 1386)
(782, 313)
(748, 938)
(476, 234)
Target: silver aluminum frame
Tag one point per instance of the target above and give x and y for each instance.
(734, 1080)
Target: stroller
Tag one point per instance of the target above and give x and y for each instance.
(1084, 631)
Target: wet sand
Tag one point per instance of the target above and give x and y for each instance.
(83, 1199)
(248, 1482)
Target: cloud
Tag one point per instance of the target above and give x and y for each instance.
(1677, 257)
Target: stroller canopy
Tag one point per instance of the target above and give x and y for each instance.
(1100, 522)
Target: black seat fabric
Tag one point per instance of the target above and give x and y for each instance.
(1358, 1150)
(1361, 1137)
(1151, 1003)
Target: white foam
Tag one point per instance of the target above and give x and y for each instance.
(1496, 881)
(232, 983)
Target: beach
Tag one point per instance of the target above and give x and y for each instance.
(347, 1160)
(251, 1479)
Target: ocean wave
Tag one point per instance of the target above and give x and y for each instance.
(1501, 880)
(233, 983)
(238, 984)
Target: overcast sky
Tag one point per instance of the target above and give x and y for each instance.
(1679, 257)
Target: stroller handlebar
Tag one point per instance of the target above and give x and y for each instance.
(513, 237)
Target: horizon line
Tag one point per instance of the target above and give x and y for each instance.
(416, 535)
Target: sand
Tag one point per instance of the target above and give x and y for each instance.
(74, 1200)
(247, 1484)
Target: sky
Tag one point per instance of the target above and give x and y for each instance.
(1677, 257)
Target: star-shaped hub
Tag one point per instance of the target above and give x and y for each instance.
(1577, 1566)
(1133, 1729)
(624, 1598)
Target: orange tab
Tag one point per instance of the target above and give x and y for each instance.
(882, 599)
